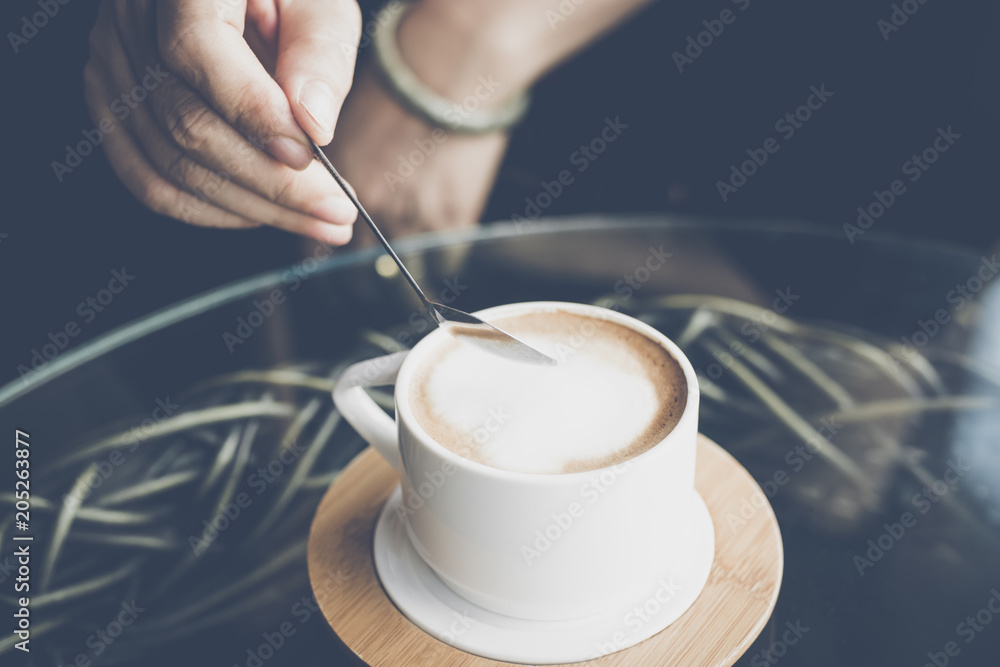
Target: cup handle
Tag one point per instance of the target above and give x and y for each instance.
(361, 412)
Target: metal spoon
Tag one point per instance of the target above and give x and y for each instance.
(458, 323)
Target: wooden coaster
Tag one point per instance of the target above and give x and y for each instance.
(716, 630)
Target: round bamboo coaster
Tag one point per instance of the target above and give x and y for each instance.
(717, 629)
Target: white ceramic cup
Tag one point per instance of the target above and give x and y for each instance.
(532, 546)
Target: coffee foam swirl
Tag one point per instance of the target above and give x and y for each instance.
(614, 394)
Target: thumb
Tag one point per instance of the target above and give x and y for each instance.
(317, 47)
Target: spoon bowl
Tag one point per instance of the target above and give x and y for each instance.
(486, 336)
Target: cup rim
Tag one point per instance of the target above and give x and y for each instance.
(404, 412)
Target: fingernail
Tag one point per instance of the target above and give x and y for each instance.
(316, 98)
(289, 151)
(338, 210)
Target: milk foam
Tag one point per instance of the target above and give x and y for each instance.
(613, 394)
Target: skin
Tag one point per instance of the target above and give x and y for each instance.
(222, 140)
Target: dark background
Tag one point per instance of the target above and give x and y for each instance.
(685, 130)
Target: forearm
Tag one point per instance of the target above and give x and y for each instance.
(451, 43)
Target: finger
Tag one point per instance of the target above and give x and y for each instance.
(145, 182)
(203, 43)
(321, 231)
(142, 180)
(317, 46)
(215, 187)
(205, 137)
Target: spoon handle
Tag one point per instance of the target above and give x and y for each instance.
(371, 223)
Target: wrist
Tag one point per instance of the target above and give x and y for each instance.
(453, 46)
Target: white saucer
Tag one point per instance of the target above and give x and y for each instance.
(423, 598)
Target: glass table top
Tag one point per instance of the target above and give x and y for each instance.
(858, 382)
